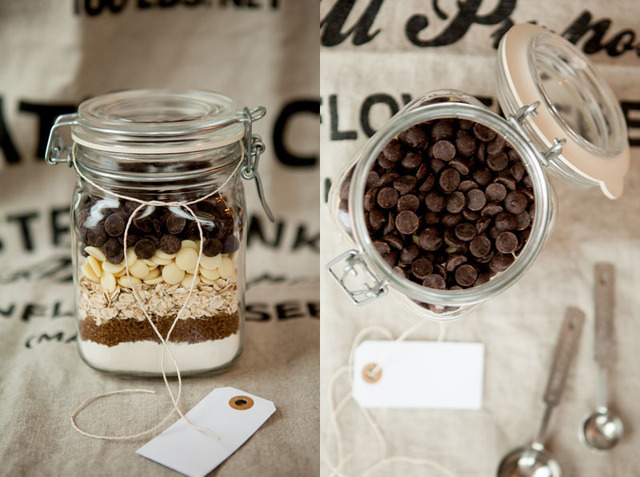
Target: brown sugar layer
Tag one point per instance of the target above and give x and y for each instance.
(192, 330)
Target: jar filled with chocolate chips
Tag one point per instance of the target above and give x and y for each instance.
(450, 203)
(158, 219)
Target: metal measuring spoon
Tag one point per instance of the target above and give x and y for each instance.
(534, 460)
(603, 429)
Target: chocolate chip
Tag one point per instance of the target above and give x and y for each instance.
(377, 219)
(96, 235)
(437, 165)
(421, 268)
(465, 144)
(394, 241)
(430, 239)
(456, 202)
(390, 225)
(454, 261)
(480, 246)
(435, 202)
(459, 166)
(451, 240)
(171, 244)
(482, 224)
(441, 130)
(393, 151)
(409, 253)
(483, 133)
(496, 192)
(401, 271)
(407, 222)
(411, 161)
(404, 184)
(465, 232)
(498, 162)
(143, 223)
(390, 258)
(114, 225)
(466, 186)
(466, 275)
(175, 224)
(443, 150)
(434, 281)
(505, 222)
(373, 179)
(387, 197)
(428, 183)
(451, 220)
(506, 242)
(496, 145)
(491, 209)
(500, 262)
(385, 163)
(476, 199)
(449, 180)
(408, 202)
(523, 220)
(515, 202)
(422, 171)
(508, 182)
(388, 178)
(518, 171)
(431, 218)
(470, 215)
(381, 247)
(145, 248)
(230, 244)
(369, 199)
(482, 176)
(414, 137)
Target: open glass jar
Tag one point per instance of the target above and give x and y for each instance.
(158, 219)
(561, 119)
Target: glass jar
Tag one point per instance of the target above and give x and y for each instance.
(561, 119)
(158, 218)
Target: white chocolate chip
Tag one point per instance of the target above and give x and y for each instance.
(209, 274)
(172, 274)
(139, 269)
(124, 281)
(190, 244)
(226, 268)
(206, 281)
(96, 252)
(88, 272)
(131, 256)
(114, 268)
(95, 265)
(210, 263)
(154, 281)
(188, 278)
(186, 259)
(108, 282)
(155, 273)
(167, 256)
(160, 261)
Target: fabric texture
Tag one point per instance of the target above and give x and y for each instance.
(53, 56)
(376, 57)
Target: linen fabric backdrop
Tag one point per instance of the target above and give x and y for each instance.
(375, 57)
(55, 54)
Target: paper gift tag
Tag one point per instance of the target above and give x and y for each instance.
(419, 374)
(231, 414)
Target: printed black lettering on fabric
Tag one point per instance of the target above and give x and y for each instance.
(390, 103)
(592, 35)
(97, 7)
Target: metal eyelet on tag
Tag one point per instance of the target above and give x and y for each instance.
(241, 403)
(372, 373)
(354, 267)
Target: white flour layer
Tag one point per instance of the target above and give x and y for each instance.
(145, 356)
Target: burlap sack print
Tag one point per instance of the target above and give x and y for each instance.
(55, 56)
(376, 56)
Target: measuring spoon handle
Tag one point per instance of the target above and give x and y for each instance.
(605, 353)
(566, 350)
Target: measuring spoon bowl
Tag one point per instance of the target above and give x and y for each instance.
(529, 461)
(602, 430)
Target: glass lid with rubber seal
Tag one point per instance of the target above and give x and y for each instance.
(575, 107)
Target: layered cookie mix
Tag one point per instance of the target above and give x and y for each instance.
(162, 261)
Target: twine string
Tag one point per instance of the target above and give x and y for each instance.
(335, 410)
(175, 399)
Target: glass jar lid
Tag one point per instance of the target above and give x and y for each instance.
(158, 122)
(575, 106)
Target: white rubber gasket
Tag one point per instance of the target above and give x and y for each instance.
(607, 171)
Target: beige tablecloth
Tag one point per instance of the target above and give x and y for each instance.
(364, 78)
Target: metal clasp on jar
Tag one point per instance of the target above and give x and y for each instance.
(364, 285)
(57, 151)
